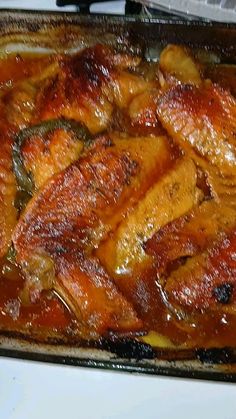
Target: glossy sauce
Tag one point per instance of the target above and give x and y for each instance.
(50, 318)
(14, 68)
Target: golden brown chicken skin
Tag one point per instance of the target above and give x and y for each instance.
(206, 281)
(129, 168)
(202, 119)
(59, 223)
(88, 87)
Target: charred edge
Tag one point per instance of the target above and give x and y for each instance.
(129, 349)
(223, 293)
(216, 356)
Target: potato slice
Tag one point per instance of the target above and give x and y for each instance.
(153, 156)
(126, 86)
(157, 340)
(168, 199)
(177, 61)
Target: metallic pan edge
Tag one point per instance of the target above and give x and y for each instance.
(35, 30)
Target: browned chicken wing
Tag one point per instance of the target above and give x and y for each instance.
(125, 172)
(207, 281)
(60, 222)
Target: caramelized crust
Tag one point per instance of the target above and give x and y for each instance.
(207, 281)
(88, 87)
(131, 214)
(73, 202)
(45, 157)
(189, 235)
(60, 220)
(164, 201)
(202, 120)
(91, 294)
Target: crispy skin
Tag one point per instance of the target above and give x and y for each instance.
(88, 87)
(130, 163)
(167, 199)
(75, 210)
(46, 158)
(189, 235)
(207, 281)
(59, 222)
(16, 107)
(89, 291)
(95, 214)
(202, 120)
(85, 87)
(76, 200)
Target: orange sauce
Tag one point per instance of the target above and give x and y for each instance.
(16, 67)
(49, 317)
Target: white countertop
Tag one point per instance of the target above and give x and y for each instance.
(31, 390)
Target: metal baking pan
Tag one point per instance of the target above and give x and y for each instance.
(61, 32)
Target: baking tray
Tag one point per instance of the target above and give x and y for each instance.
(61, 32)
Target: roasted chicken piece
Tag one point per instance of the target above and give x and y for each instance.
(189, 235)
(72, 213)
(136, 226)
(92, 296)
(75, 210)
(16, 105)
(151, 155)
(206, 281)
(202, 120)
(166, 200)
(76, 200)
(44, 157)
(42, 150)
(84, 88)
(88, 87)
(58, 223)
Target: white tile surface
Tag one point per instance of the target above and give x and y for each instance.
(41, 391)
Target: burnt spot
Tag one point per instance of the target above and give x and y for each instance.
(131, 167)
(129, 348)
(108, 142)
(223, 293)
(216, 355)
(90, 69)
